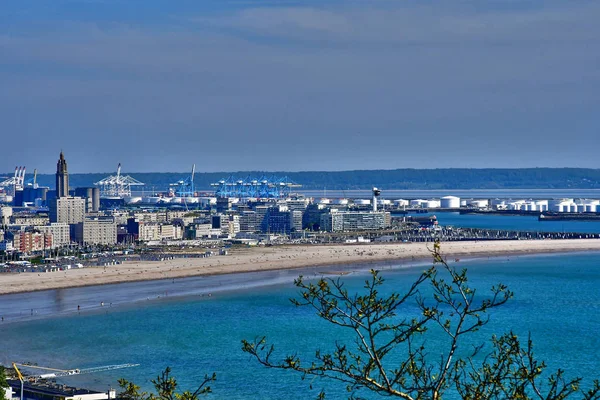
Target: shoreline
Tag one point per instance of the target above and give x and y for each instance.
(280, 258)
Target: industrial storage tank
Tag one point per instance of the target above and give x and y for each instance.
(324, 201)
(362, 202)
(450, 202)
(515, 205)
(401, 203)
(433, 204)
(542, 205)
(481, 203)
(564, 206)
(384, 202)
(555, 205)
(417, 202)
(341, 202)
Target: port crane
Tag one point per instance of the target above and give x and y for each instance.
(184, 187)
(117, 185)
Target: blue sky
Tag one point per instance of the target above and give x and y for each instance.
(298, 85)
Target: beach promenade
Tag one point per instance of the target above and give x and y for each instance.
(280, 257)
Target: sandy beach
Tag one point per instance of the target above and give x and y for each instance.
(278, 257)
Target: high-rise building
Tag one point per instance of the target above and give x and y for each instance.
(62, 177)
(96, 230)
(67, 210)
(60, 232)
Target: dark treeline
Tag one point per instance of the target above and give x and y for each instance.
(446, 178)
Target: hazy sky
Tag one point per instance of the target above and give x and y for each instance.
(298, 85)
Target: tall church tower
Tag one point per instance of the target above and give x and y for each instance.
(62, 177)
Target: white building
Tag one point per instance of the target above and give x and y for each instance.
(354, 221)
(30, 220)
(68, 210)
(5, 214)
(96, 230)
(171, 232)
(61, 235)
(148, 231)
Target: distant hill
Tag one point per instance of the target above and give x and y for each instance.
(403, 179)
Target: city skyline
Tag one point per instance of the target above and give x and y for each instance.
(298, 86)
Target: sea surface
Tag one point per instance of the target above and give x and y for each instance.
(196, 325)
(512, 222)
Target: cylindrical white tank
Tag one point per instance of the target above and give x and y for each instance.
(341, 202)
(401, 203)
(451, 202)
(515, 205)
(480, 203)
(542, 205)
(554, 205)
(362, 202)
(324, 201)
(384, 202)
(433, 203)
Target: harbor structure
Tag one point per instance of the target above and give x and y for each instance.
(184, 187)
(51, 390)
(250, 187)
(117, 186)
(14, 183)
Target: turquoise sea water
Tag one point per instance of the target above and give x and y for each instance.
(557, 300)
